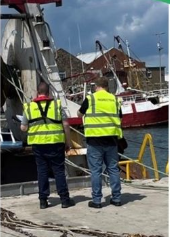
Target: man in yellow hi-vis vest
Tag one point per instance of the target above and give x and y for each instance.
(102, 127)
(49, 135)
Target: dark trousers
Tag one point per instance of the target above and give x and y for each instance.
(53, 156)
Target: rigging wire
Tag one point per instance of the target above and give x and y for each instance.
(145, 76)
(164, 148)
(16, 88)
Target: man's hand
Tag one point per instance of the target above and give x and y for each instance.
(24, 128)
(67, 147)
(67, 134)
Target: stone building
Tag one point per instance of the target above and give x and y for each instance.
(68, 64)
(153, 74)
(131, 73)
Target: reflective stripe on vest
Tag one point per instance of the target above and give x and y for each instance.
(40, 132)
(102, 116)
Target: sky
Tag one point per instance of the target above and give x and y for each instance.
(79, 23)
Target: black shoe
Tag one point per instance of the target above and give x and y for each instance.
(43, 203)
(68, 203)
(94, 205)
(115, 203)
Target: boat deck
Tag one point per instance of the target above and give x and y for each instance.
(144, 212)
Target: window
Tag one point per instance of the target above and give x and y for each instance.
(62, 75)
(149, 74)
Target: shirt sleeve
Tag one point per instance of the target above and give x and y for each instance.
(84, 106)
(24, 119)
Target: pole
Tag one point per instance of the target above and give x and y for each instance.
(160, 71)
(160, 55)
(15, 16)
(82, 63)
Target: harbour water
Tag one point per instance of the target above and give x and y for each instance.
(135, 136)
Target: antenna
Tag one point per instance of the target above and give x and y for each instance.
(78, 29)
(160, 62)
(70, 56)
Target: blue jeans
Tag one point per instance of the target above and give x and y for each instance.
(96, 155)
(53, 156)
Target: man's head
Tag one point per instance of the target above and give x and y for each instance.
(43, 89)
(102, 83)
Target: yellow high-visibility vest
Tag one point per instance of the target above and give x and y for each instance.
(102, 116)
(46, 129)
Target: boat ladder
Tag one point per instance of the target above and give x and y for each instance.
(10, 143)
(46, 52)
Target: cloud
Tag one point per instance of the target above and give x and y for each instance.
(101, 35)
(132, 24)
(134, 20)
(151, 17)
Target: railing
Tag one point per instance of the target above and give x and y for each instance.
(144, 95)
(161, 92)
(167, 168)
(7, 145)
(147, 140)
(132, 98)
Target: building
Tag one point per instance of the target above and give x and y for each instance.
(68, 64)
(73, 74)
(153, 74)
(131, 73)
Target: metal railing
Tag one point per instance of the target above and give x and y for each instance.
(147, 140)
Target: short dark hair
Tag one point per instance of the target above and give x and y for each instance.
(102, 82)
(43, 88)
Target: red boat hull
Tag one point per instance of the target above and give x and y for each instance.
(137, 119)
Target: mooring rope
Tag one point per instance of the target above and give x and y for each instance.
(128, 183)
(164, 148)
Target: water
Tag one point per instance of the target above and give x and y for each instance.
(159, 134)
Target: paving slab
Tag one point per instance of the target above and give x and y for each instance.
(144, 210)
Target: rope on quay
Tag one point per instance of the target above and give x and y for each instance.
(87, 171)
(10, 220)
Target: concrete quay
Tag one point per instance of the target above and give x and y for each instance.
(144, 211)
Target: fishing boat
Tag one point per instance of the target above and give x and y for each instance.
(140, 110)
(139, 107)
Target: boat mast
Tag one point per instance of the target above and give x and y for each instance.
(130, 63)
(119, 87)
(160, 55)
(132, 68)
(80, 45)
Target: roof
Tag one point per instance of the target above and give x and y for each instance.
(90, 57)
(155, 67)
